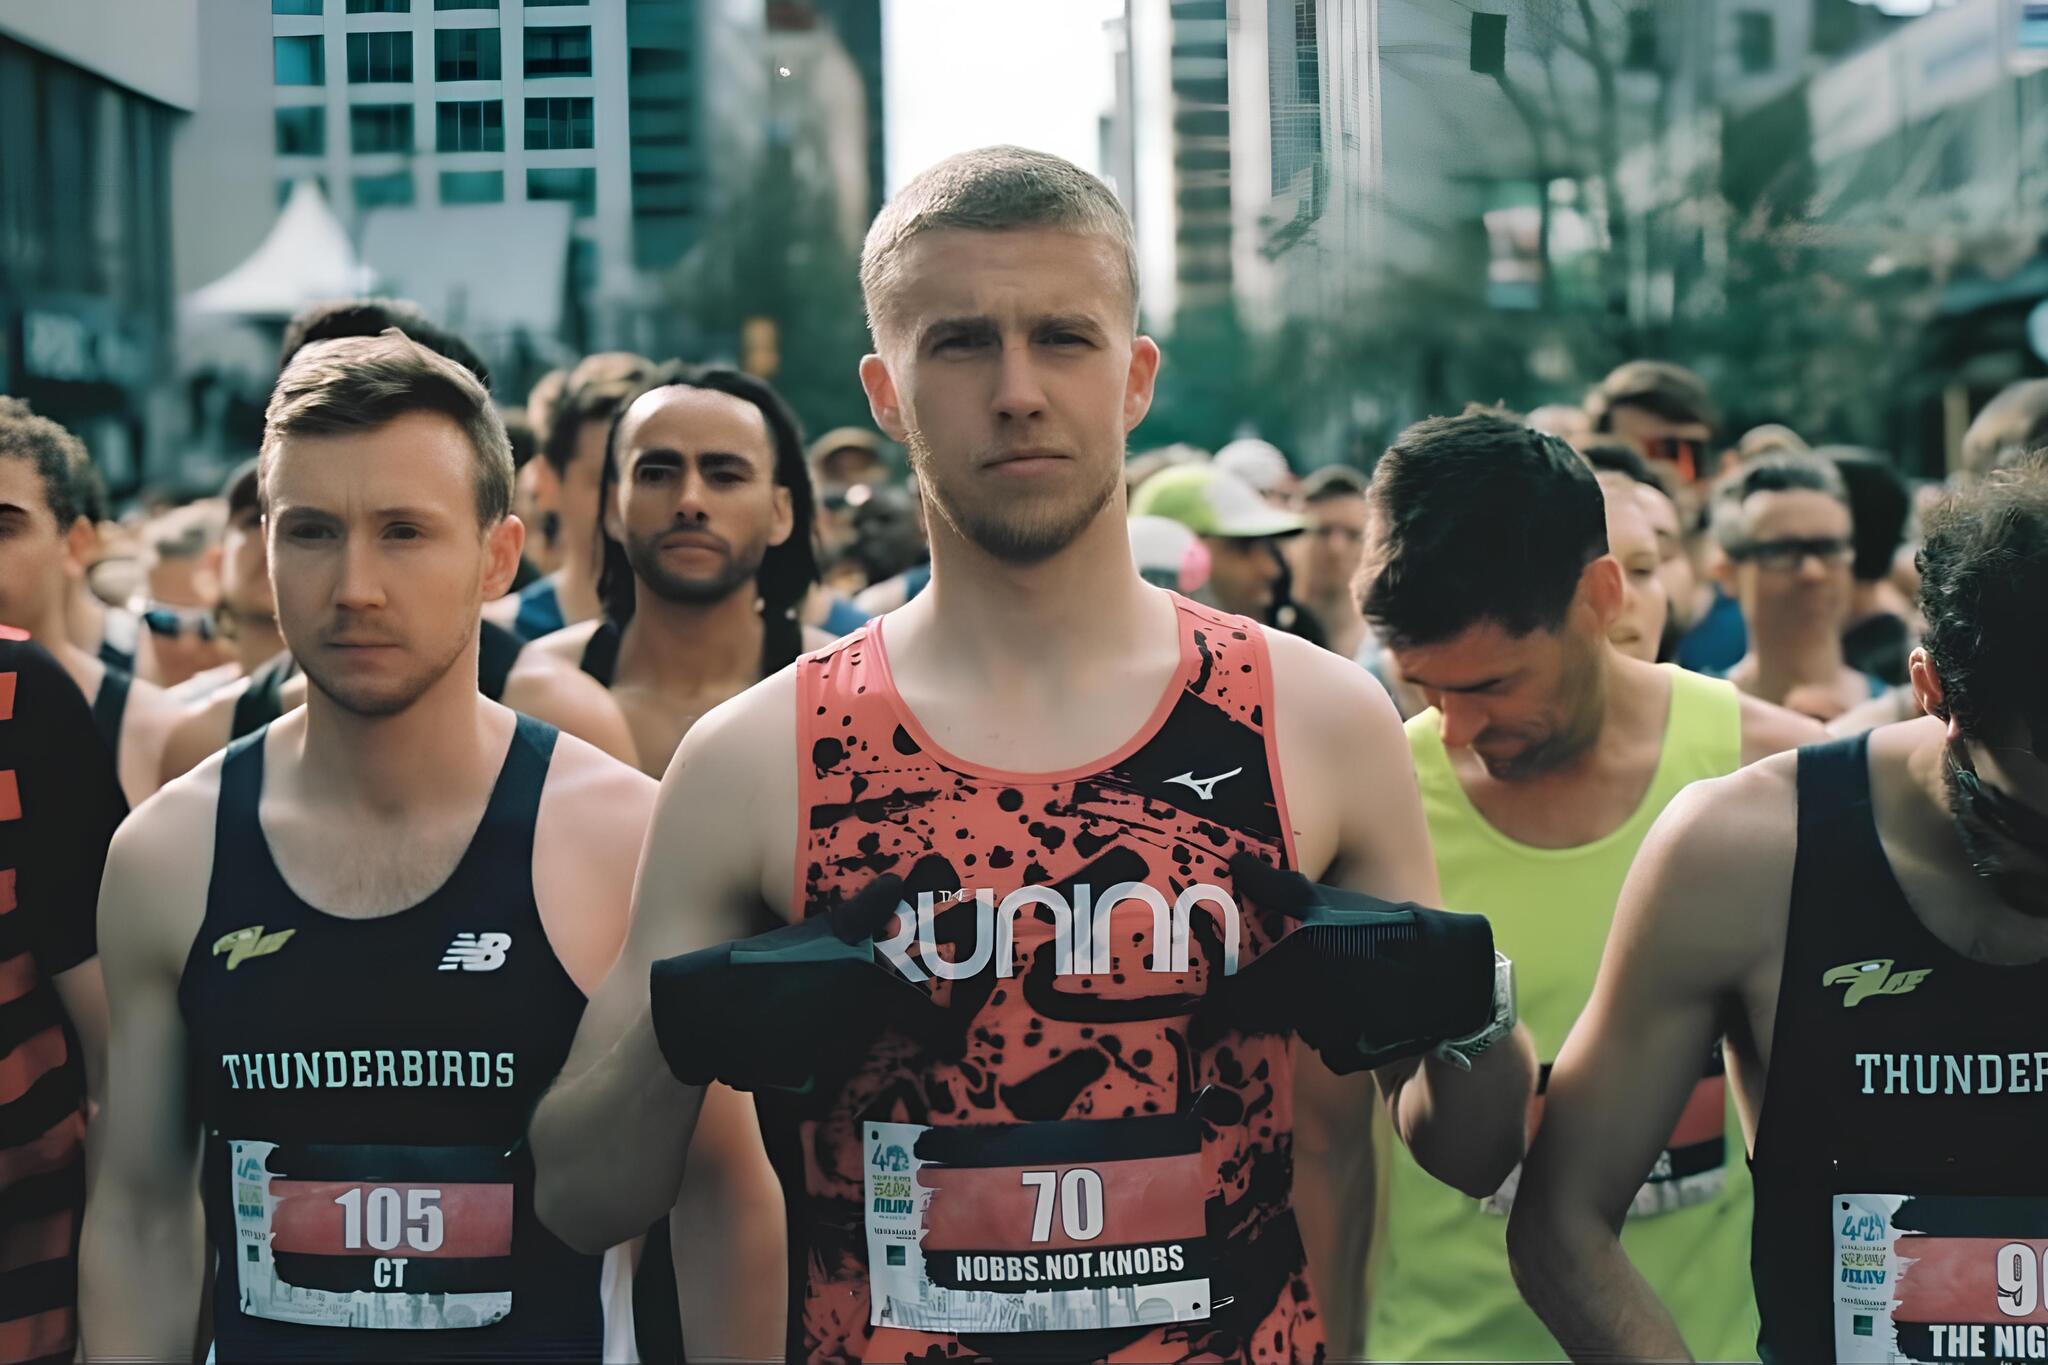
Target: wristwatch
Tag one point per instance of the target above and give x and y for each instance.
(1460, 1052)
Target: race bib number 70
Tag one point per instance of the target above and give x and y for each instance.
(1940, 1278)
(1036, 1227)
(377, 1237)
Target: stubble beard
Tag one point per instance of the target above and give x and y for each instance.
(1012, 534)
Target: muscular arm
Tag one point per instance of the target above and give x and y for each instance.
(610, 1137)
(1465, 1128)
(141, 1249)
(1691, 936)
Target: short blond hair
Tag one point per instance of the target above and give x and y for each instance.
(352, 384)
(993, 189)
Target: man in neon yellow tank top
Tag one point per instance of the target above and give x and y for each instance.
(1545, 757)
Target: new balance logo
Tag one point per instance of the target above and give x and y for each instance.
(1204, 787)
(476, 952)
(1876, 977)
(244, 944)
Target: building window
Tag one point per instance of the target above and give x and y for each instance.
(295, 7)
(472, 187)
(465, 4)
(469, 126)
(657, 61)
(541, 4)
(1756, 41)
(380, 128)
(384, 191)
(299, 61)
(577, 187)
(557, 52)
(302, 131)
(558, 124)
(380, 6)
(377, 58)
(467, 54)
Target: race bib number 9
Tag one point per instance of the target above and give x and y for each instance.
(1037, 1227)
(376, 1237)
(1940, 1278)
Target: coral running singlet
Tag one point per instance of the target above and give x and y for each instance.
(1069, 1173)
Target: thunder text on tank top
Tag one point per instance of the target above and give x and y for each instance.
(1069, 923)
(364, 1085)
(1901, 1204)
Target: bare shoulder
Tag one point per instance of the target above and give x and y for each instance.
(1768, 729)
(753, 733)
(159, 865)
(603, 804)
(1325, 696)
(1715, 872)
(817, 637)
(202, 728)
(564, 646)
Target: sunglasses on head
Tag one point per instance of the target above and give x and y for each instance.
(172, 622)
(1683, 452)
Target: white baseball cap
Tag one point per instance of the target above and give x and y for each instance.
(1259, 463)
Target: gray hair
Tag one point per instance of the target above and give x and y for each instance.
(989, 190)
(353, 384)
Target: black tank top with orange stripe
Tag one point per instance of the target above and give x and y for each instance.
(365, 1086)
(1073, 1133)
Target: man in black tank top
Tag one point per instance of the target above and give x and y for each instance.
(1867, 921)
(344, 961)
(706, 519)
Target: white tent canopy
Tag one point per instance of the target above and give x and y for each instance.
(487, 270)
(305, 258)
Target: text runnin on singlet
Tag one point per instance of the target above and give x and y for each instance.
(368, 1069)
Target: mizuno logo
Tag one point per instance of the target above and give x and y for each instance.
(1876, 977)
(1204, 787)
(244, 944)
(476, 952)
(1081, 933)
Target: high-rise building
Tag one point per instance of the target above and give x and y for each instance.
(859, 26)
(637, 114)
(90, 94)
(1167, 147)
(818, 111)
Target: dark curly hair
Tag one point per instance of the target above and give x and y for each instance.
(59, 458)
(789, 570)
(1984, 594)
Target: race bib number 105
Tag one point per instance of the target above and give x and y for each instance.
(1036, 1227)
(1940, 1278)
(376, 1237)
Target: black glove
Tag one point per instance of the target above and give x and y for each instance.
(796, 1009)
(1363, 981)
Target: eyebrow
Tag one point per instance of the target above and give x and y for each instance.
(667, 457)
(1481, 685)
(981, 324)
